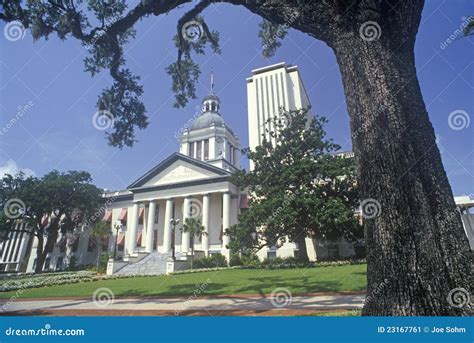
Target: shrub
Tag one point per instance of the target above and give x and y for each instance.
(235, 260)
(251, 261)
(212, 261)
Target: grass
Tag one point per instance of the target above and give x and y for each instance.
(351, 313)
(238, 281)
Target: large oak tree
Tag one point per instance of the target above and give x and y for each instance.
(53, 204)
(417, 240)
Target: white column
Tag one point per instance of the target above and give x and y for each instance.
(149, 226)
(186, 214)
(206, 198)
(167, 228)
(225, 223)
(132, 244)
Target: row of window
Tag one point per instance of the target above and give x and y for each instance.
(199, 149)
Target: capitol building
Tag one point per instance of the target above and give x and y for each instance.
(195, 182)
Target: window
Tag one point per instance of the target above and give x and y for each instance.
(157, 214)
(206, 149)
(271, 255)
(198, 149)
(191, 149)
(227, 152)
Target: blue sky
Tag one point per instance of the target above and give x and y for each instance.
(56, 132)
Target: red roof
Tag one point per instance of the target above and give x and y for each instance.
(108, 216)
(123, 215)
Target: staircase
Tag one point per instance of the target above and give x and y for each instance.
(152, 264)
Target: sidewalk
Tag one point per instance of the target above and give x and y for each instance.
(218, 306)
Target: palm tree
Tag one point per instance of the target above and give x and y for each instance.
(99, 232)
(195, 228)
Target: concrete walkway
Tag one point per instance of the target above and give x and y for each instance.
(222, 305)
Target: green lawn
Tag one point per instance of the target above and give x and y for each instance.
(238, 281)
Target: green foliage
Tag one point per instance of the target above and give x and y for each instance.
(235, 260)
(270, 35)
(104, 28)
(250, 261)
(72, 266)
(298, 187)
(212, 261)
(469, 29)
(67, 199)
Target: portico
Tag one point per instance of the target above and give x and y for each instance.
(215, 209)
(192, 183)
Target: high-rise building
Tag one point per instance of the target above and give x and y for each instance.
(269, 89)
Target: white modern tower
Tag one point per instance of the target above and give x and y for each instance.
(268, 90)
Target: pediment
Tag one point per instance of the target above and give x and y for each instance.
(176, 169)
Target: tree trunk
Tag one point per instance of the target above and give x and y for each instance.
(417, 251)
(48, 247)
(302, 251)
(39, 254)
(99, 252)
(191, 244)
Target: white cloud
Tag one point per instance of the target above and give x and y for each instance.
(12, 168)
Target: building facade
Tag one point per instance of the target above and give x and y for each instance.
(270, 90)
(146, 218)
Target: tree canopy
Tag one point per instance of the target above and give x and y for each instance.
(57, 202)
(298, 187)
